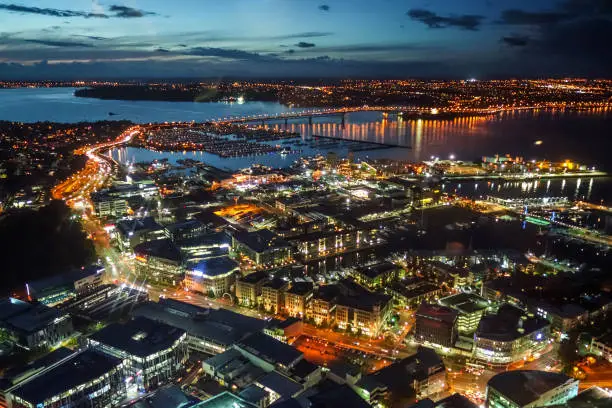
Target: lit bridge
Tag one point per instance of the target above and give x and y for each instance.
(314, 113)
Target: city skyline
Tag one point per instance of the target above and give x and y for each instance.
(336, 38)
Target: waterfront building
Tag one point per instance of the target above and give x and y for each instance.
(273, 295)
(212, 276)
(248, 288)
(262, 247)
(153, 352)
(527, 389)
(366, 313)
(377, 275)
(509, 336)
(58, 289)
(159, 261)
(81, 379)
(470, 309)
(32, 326)
(436, 325)
(297, 298)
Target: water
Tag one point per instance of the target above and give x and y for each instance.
(583, 136)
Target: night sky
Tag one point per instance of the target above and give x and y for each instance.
(67, 39)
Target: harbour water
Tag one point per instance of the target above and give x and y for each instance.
(583, 136)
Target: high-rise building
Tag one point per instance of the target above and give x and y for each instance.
(527, 388)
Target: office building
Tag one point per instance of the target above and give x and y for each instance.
(435, 325)
(322, 307)
(81, 379)
(366, 313)
(248, 288)
(418, 376)
(107, 206)
(509, 336)
(273, 295)
(32, 326)
(262, 247)
(212, 276)
(297, 298)
(225, 400)
(58, 289)
(209, 331)
(527, 388)
(159, 261)
(184, 230)
(469, 307)
(602, 346)
(154, 352)
(452, 401)
(135, 231)
(377, 275)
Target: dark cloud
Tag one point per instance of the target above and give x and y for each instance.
(162, 50)
(291, 51)
(433, 20)
(308, 34)
(521, 17)
(52, 43)
(91, 37)
(49, 11)
(128, 12)
(516, 40)
(303, 44)
(324, 7)
(225, 53)
(182, 45)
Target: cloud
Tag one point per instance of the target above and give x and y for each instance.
(290, 51)
(516, 40)
(521, 17)
(162, 50)
(324, 7)
(52, 43)
(225, 53)
(128, 12)
(432, 20)
(303, 44)
(49, 11)
(116, 11)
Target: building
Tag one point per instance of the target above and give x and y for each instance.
(470, 309)
(452, 401)
(322, 307)
(248, 288)
(602, 346)
(82, 379)
(377, 275)
(414, 291)
(159, 261)
(61, 288)
(283, 330)
(509, 336)
(225, 400)
(108, 302)
(273, 295)
(436, 325)
(153, 352)
(526, 388)
(263, 349)
(210, 331)
(107, 206)
(262, 247)
(184, 230)
(135, 231)
(562, 318)
(418, 376)
(212, 276)
(33, 326)
(297, 298)
(366, 313)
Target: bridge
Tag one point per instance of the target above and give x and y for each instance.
(313, 113)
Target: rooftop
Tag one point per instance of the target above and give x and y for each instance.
(213, 267)
(79, 369)
(219, 325)
(64, 279)
(270, 349)
(262, 240)
(508, 324)
(465, 303)
(26, 317)
(276, 283)
(254, 277)
(125, 227)
(284, 386)
(301, 288)
(139, 337)
(376, 270)
(159, 248)
(525, 386)
(437, 312)
(225, 400)
(338, 396)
